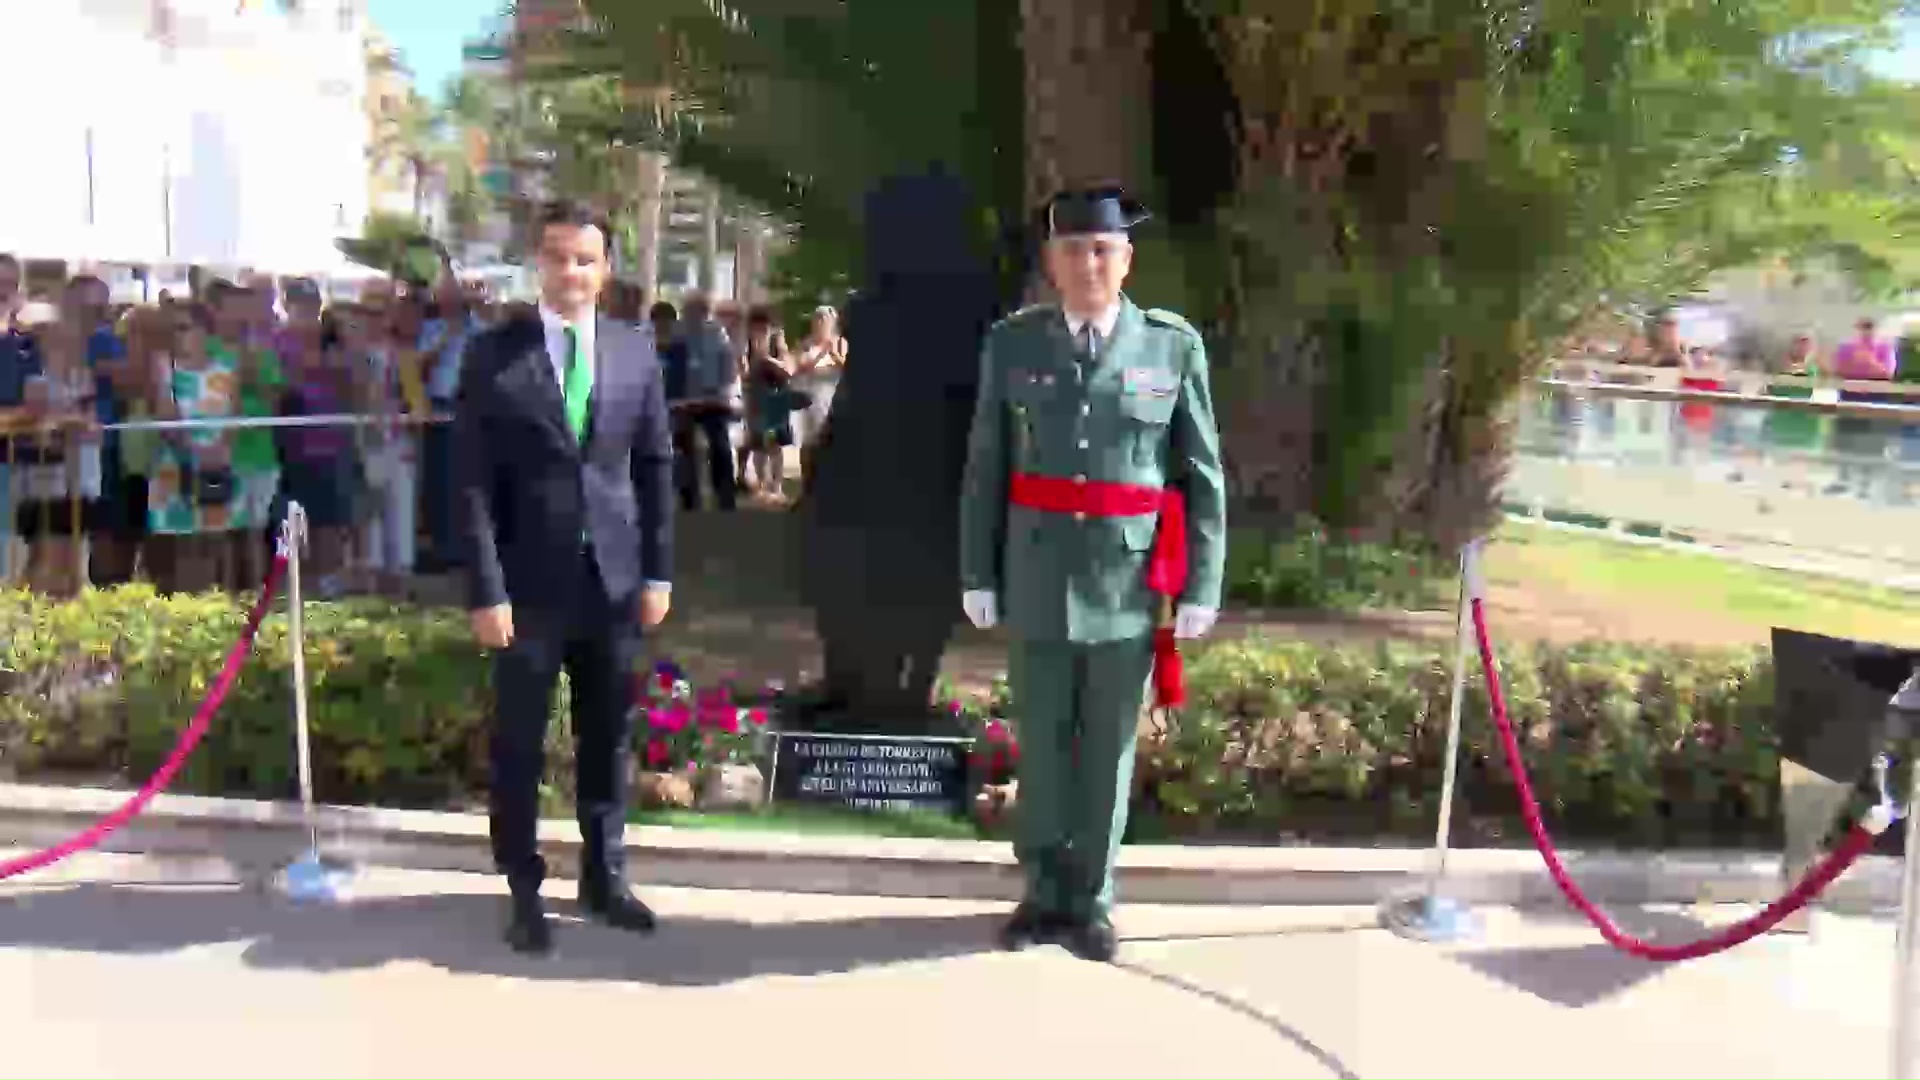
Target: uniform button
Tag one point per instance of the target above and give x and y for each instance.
(1079, 515)
(1080, 478)
(1083, 444)
(1085, 408)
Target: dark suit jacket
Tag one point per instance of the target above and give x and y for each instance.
(526, 491)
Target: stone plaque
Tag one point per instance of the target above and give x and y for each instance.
(872, 772)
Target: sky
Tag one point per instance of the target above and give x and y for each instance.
(1904, 62)
(429, 34)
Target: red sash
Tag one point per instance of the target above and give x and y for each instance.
(1166, 561)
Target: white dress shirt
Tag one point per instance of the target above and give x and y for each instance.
(556, 328)
(1103, 325)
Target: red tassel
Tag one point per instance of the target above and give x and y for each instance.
(1169, 673)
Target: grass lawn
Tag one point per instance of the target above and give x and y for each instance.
(1684, 596)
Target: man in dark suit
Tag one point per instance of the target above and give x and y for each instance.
(564, 491)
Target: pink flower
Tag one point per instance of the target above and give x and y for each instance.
(730, 722)
(671, 718)
(953, 707)
(996, 731)
(693, 766)
(664, 681)
(758, 717)
(656, 755)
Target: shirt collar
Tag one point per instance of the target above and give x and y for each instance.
(1105, 323)
(553, 320)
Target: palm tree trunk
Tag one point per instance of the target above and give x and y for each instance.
(650, 194)
(1089, 81)
(710, 243)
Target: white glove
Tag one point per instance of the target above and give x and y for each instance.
(1193, 621)
(982, 608)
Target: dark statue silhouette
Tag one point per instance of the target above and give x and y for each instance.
(881, 546)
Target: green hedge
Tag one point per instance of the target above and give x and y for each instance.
(1638, 746)
(1646, 747)
(1311, 568)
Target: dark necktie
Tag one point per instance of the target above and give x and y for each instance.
(1089, 343)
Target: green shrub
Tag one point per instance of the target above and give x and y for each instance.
(1644, 747)
(1311, 570)
(1641, 746)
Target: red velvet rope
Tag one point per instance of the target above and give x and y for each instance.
(195, 730)
(1856, 843)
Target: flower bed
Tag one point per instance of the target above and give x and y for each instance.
(1643, 747)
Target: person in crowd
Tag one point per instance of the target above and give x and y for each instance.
(816, 371)
(18, 361)
(243, 337)
(563, 449)
(59, 489)
(397, 392)
(118, 529)
(138, 385)
(321, 464)
(450, 326)
(671, 351)
(1863, 443)
(10, 296)
(707, 409)
(769, 429)
(1866, 356)
(193, 508)
(1667, 350)
(1802, 357)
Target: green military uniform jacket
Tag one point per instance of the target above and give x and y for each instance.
(1140, 413)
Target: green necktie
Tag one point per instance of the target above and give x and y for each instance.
(578, 386)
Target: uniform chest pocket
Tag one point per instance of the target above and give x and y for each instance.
(1147, 414)
(1029, 395)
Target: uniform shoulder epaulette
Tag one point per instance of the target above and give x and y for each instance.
(1029, 313)
(1163, 317)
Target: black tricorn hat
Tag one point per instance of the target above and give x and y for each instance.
(1092, 210)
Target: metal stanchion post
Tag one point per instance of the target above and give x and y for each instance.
(1431, 915)
(309, 877)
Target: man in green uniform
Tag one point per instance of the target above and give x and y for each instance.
(1093, 498)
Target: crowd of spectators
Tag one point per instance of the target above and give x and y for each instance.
(194, 507)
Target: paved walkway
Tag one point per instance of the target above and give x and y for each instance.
(115, 966)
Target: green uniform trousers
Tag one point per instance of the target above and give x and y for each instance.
(1079, 709)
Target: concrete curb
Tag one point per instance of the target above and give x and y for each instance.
(253, 838)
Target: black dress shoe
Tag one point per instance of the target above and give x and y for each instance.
(618, 908)
(528, 930)
(1029, 925)
(1093, 939)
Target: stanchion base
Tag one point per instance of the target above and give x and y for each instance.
(313, 879)
(1430, 918)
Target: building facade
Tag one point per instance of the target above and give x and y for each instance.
(187, 132)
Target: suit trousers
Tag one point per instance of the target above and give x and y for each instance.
(711, 427)
(1080, 714)
(597, 643)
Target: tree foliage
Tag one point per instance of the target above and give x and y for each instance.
(798, 106)
(1425, 195)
